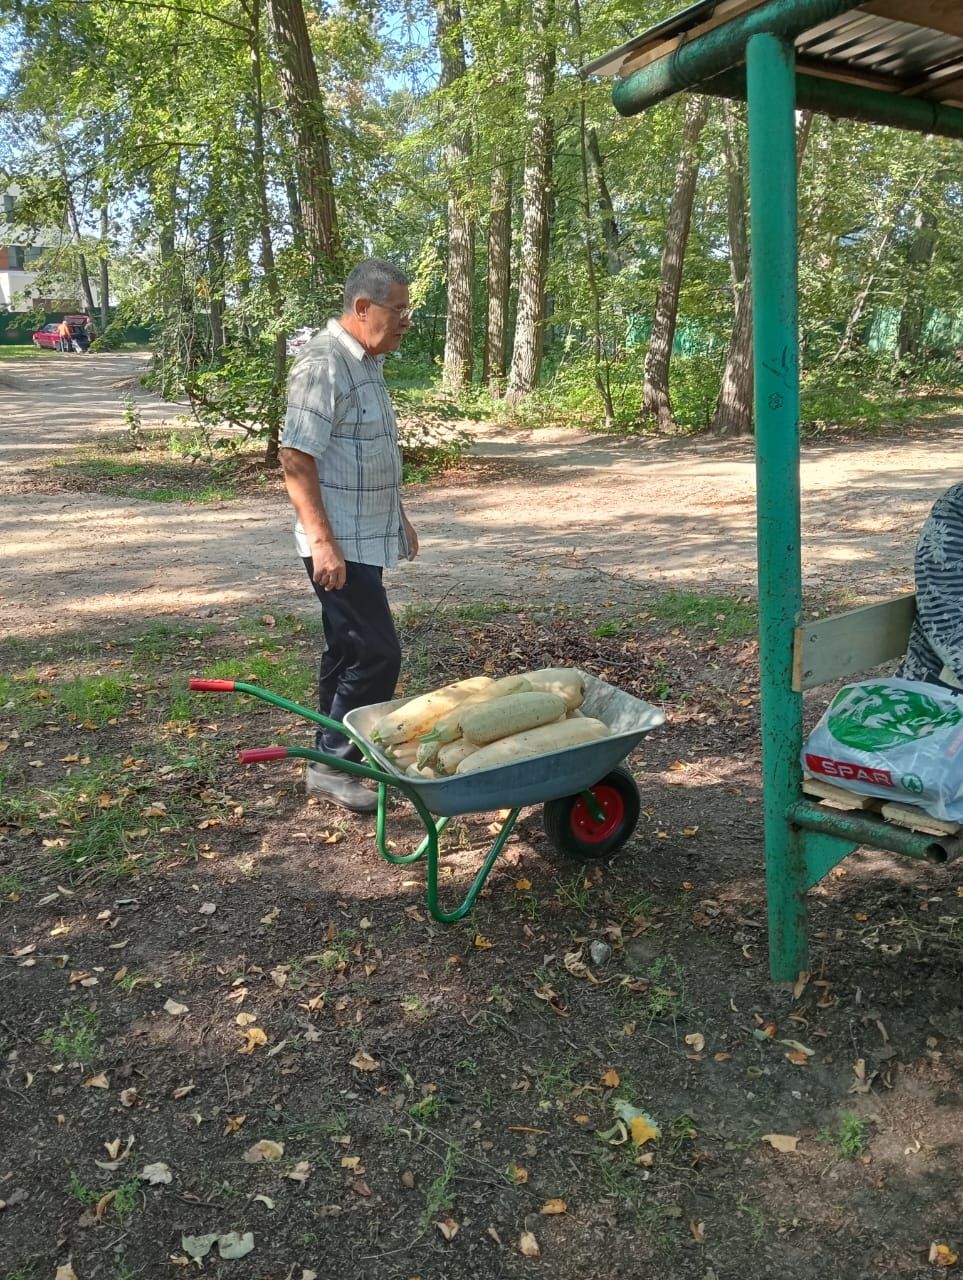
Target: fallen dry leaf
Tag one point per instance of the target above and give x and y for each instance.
(528, 1245)
(263, 1150)
(103, 1204)
(610, 1079)
(781, 1141)
(155, 1174)
(643, 1130)
(174, 1008)
(97, 1082)
(232, 1124)
(235, 1245)
(482, 942)
(198, 1246)
(941, 1255)
(183, 1090)
(554, 1206)
(300, 1173)
(518, 1175)
(696, 1040)
(448, 1227)
(253, 1036)
(523, 885)
(66, 1272)
(363, 1061)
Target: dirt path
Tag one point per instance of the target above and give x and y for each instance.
(547, 514)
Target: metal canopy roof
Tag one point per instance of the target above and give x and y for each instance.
(910, 48)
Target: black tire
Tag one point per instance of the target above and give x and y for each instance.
(573, 831)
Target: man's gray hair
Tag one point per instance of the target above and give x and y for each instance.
(371, 279)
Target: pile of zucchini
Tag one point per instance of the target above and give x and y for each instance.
(481, 723)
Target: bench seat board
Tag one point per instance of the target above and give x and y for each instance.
(845, 644)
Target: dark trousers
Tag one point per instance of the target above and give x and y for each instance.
(362, 655)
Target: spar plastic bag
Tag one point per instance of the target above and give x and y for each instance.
(897, 739)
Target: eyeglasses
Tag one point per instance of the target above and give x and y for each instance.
(403, 313)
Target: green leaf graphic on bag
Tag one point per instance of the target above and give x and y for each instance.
(872, 717)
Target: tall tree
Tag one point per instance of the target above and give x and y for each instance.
(298, 74)
(733, 412)
(919, 257)
(459, 331)
(656, 404)
(536, 188)
(499, 278)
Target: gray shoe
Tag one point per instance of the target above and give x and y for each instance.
(339, 787)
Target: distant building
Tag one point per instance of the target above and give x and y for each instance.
(18, 291)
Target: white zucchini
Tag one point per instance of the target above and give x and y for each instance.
(535, 742)
(451, 755)
(417, 715)
(515, 713)
(566, 682)
(448, 727)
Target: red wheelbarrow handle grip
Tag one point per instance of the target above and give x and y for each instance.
(211, 686)
(257, 754)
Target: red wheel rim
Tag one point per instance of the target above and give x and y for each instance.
(594, 831)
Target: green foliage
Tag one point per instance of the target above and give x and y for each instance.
(849, 1136)
(74, 1039)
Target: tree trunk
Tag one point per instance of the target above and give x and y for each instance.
(104, 266)
(610, 230)
(733, 412)
(888, 222)
(529, 332)
(216, 272)
(459, 332)
(274, 408)
(74, 223)
(499, 278)
(600, 366)
(656, 405)
(736, 203)
(913, 315)
(298, 74)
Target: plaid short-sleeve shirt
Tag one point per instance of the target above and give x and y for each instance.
(339, 411)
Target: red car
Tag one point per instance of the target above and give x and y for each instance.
(48, 336)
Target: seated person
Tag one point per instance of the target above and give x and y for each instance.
(935, 650)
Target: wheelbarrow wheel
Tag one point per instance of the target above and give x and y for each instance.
(577, 833)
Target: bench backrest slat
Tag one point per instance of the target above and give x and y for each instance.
(846, 644)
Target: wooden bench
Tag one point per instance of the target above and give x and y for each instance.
(829, 650)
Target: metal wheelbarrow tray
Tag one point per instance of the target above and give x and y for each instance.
(591, 801)
(532, 781)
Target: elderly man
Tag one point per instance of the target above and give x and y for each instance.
(342, 468)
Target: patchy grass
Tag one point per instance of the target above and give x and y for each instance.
(727, 617)
(144, 481)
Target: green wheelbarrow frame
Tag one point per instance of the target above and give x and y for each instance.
(374, 773)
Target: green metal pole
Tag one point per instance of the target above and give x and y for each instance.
(772, 176)
(698, 58)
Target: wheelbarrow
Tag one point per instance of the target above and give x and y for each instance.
(590, 800)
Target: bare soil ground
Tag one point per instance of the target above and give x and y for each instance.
(540, 515)
(443, 1099)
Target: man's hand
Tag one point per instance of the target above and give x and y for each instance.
(411, 538)
(328, 564)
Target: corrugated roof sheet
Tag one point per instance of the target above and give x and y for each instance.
(911, 47)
